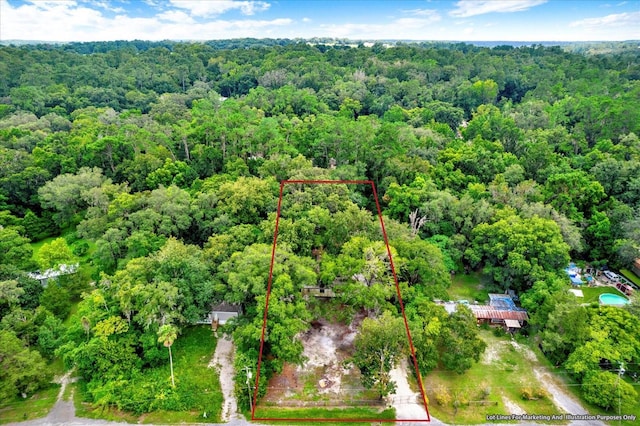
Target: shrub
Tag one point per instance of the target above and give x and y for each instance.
(80, 248)
(485, 390)
(443, 397)
(529, 393)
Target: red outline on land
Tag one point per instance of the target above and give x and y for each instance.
(395, 278)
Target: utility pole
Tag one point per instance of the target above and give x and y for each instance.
(249, 375)
(620, 373)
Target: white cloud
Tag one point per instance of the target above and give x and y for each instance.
(305, 19)
(103, 4)
(176, 16)
(68, 21)
(207, 8)
(466, 8)
(431, 13)
(614, 20)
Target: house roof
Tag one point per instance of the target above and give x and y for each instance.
(225, 307)
(512, 323)
(489, 312)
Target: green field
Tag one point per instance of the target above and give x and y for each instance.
(34, 407)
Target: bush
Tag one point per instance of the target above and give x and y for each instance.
(443, 397)
(499, 332)
(80, 248)
(529, 393)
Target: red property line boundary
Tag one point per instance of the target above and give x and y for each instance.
(395, 278)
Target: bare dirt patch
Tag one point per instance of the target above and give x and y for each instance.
(492, 353)
(326, 374)
(511, 407)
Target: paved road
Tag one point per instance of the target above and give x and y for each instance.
(63, 414)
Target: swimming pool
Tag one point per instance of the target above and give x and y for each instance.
(612, 299)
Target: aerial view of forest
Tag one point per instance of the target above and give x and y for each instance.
(276, 228)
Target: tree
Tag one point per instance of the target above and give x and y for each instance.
(379, 345)
(423, 263)
(460, 344)
(54, 254)
(167, 334)
(65, 193)
(21, 370)
(607, 390)
(517, 252)
(15, 250)
(10, 292)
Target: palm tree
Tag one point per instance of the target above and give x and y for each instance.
(167, 334)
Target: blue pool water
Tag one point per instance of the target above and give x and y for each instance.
(612, 299)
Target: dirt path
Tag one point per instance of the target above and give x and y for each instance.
(404, 400)
(566, 403)
(223, 361)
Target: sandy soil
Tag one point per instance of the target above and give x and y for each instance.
(511, 407)
(326, 346)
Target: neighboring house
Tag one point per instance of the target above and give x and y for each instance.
(636, 267)
(501, 310)
(53, 273)
(220, 314)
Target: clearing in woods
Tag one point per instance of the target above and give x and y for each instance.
(327, 378)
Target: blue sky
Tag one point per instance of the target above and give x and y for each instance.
(465, 20)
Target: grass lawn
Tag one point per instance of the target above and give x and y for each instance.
(192, 352)
(504, 371)
(34, 407)
(324, 413)
(84, 259)
(468, 287)
(630, 276)
(591, 294)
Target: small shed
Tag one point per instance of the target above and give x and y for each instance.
(320, 292)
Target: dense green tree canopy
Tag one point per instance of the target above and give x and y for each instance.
(159, 163)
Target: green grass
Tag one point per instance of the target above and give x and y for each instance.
(324, 413)
(192, 352)
(591, 294)
(34, 407)
(468, 287)
(504, 376)
(630, 276)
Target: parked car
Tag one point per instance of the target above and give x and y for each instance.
(612, 276)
